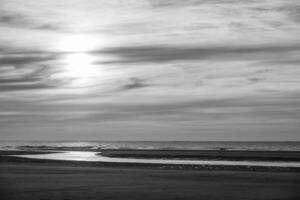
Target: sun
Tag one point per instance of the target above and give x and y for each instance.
(77, 64)
(80, 65)
(79, 70)
(77, 43)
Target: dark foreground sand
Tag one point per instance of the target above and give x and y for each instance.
(46, 180)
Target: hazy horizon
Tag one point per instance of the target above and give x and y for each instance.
(60, 140)
(150, 70)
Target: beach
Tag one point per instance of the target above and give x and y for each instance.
(149, 100)
(55, 181)
(24, 178)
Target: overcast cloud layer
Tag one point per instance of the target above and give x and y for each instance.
(150, 69)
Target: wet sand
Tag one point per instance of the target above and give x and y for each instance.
(33, 179)
(188, 154)
(172, 159)
(87, 156)
(206, 154)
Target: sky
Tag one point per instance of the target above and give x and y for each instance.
(150, 70)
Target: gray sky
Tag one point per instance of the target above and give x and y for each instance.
(150, 69)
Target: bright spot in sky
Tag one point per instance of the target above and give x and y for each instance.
(80, 65)
(79, 70)
(78, 43)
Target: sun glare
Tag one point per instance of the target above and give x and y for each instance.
(79, 70)
(77, 43)
(79, 65)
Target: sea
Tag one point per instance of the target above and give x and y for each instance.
(85, 154)
(155, 145)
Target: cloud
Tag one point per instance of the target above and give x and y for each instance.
(291, 10)
(21, 21)
(23, 59)
(167, 67)
(256, 79)
(179, 3)
(26, 71)
(22, 86)
(134, 83)
(158, 54)
(28, 79)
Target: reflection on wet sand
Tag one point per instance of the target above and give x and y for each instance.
(95, 157)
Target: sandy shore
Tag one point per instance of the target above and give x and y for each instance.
(33, 180)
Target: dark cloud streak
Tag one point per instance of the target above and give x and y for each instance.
(24, 59)
(157, 54)
(21, 86)
(135, 83)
